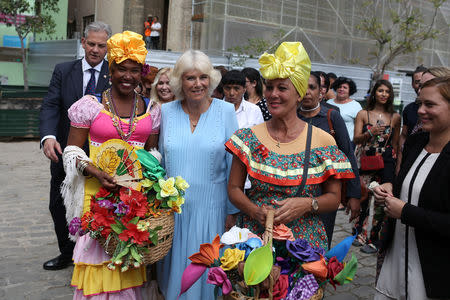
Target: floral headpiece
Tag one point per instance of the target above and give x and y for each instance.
(126, 45)
(289, 61)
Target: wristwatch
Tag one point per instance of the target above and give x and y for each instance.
(314, 205)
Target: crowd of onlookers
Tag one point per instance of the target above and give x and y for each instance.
(280, 138)
(375, 132)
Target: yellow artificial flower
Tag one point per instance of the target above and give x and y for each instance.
(109, 161)
(143, 225)
(168, 187)
(147, 183)
(231, 258)
(176, 204)
(181, 183)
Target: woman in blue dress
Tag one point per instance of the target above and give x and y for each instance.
(194, 130)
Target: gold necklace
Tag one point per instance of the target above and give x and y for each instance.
(278, 142)
(117, 122)
(194, 124)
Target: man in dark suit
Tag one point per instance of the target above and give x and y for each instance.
(70, 81)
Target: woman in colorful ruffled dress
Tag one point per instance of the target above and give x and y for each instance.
(119, 114)
(273, 155)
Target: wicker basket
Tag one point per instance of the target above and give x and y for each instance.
(268, 234)
(165, 236)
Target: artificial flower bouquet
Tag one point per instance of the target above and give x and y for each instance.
(135, 226)
(285, 269)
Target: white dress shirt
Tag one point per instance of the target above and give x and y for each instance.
(85, 66)
(248, 115)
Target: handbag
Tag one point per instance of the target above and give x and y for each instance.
(372, 162)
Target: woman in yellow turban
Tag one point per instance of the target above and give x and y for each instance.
(120, 113)
(298, 184)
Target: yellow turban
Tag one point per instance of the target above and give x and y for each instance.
(126, 45)
(290, 61)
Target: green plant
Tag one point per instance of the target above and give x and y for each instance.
(38, 22)
(402, 31)
(255, 47)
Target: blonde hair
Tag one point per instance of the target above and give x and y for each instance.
(154, 93)
(193, 60)
(442, 84)
(438, 71)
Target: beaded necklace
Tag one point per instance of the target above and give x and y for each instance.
(117, 122)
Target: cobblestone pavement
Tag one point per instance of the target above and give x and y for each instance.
(27, 238)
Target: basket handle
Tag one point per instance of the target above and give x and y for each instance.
(268, 234)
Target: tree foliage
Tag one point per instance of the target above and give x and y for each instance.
(402, 31)
(255, 47)
(38, 19)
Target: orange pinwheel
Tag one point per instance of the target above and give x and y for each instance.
(208, 254)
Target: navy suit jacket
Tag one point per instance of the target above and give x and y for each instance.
(66, 87)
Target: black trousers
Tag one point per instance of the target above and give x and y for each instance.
(154, 42)
(328, 219)
(58, 210)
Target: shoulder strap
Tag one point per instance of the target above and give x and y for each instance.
(368, 119)
(330, 124)
(99, 97)
(146, 100)
(306, 162)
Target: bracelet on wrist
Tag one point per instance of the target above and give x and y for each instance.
(370, 132)
(314, 205)
(81, 166)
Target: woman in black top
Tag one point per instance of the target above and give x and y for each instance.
(254, 91)
(312, 111)
(377, 131)
(417, 239)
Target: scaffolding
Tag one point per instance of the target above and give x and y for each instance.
(327, 28)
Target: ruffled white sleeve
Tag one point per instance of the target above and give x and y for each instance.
(83, 112)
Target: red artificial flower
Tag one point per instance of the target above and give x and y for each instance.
(137, 236)
(136, 202)
(280, 288)
(102, 193)
(334, 267)
(102, 219)
(127, 218)
(85, 219)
